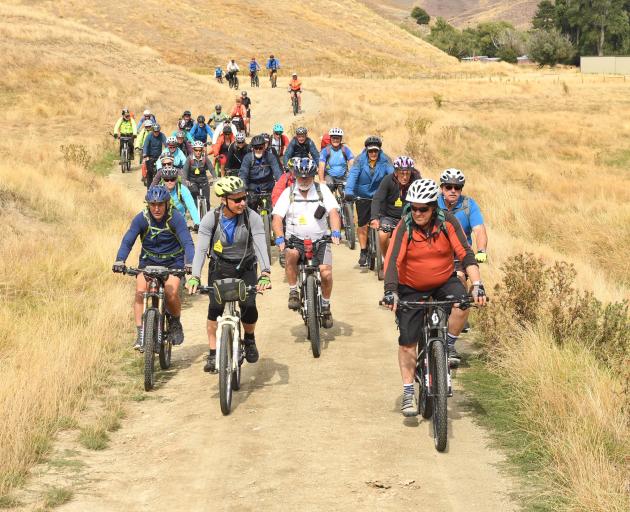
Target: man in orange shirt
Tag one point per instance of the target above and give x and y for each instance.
(295, 87)
(420, 261)
(239, 110)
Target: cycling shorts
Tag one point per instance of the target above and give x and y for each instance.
(323, 256)
(175, 262)
(410, 322)
(364, 211)
(388, 221)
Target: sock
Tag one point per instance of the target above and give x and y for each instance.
(213, 351)
(293, 288)
(451, 339)
(249, 336)
(139, 329)
(325, 302)
(364, 251)
(408, 389)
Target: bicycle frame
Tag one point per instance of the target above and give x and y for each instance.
(434, 331)
(232, 319)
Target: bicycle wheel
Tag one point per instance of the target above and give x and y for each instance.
(123, 158)
(351, 235)
(313, 318)
(371, 249)
(236, 83)
(378, 255)
(425, 402)
(439, 378)
(257, 81)
(295, 105)
(236, 374)
(150, 340)
(267, 226)
(225, 370)
(165, 351)
(203, 208)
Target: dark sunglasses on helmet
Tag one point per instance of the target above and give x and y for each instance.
(420, 209)
(453, 187)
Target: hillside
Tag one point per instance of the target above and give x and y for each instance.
(462, 13)
(313, 37)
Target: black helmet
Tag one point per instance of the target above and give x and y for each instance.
(201, 119)
(227, 128)
(186, 113)
(306, 169)
(257, 140)
(373, 141)
(218, 107)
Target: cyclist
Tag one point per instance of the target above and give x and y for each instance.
(466, 210)
(301, 146)
(420, 261)
(279, 141)
(247, 103)
(218, 74)
(146, 116)
(221, 146)
(286, 180)
(125, 127)
(165, 242)
(182, 143)
(232, 70)
(196, 170)
(364, 178)
(306, 207)
(335, 159)
(147, 128)
(254, 67)
(236, 238)
(295, 88)
(181, 198)
(201, 131)
(218, 117)
(166, 160)
(388, 201)
(273, 65)
(151, 151)
(259, 170)
(172, 150)
(236, 153)
(188, 122)
(239, 111)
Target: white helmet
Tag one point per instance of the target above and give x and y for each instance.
(335, 132)
(422, 191)
(171, 140)
(198, 145)
(148, 123)
(453, 177)
(147, 112)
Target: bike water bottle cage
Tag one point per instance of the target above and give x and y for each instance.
(230, 289)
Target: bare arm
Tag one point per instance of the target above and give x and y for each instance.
(481, 237)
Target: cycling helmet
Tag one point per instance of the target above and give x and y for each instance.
(227, 128)
(278, 128)
(171, 141)
(266, 136)
(157, 194)
(228, 185)
(156, 127)
(271, 56)
(240, 137)
(453, 177)
(147, 112)
(124, 112)
(335, 132)
(148, 123)
(294, 74)
(218, 107)
(293, 163)
(198, 145)
(306, 168)
(166, 159)
(244, 93)
(201, 119)
(301, 131)
(169, 172)
(422, 191)
(180, 135)
(373, 142)
(181, 124)
(258, 140)
(404, 162)
(186, 113)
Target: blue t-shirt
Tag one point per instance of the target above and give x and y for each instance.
(337, 166)
(468, 222)
(229, 227)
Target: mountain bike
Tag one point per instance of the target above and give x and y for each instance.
(310, 287)
(230, 347)
(295, 103)
(126, 152)
(273, 78)
(139, 152)
(155, 320)
(202, 205)
(433, 374)
(261, 203)
(347, 214)
(375, 254)
(253, 75)
(232, 77)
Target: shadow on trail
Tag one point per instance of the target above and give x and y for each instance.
(326, 335)
(182, 357)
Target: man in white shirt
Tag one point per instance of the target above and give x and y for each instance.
(305, 206)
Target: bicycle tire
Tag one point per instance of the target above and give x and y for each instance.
(425, 402)
(267, 226)
(439, 375)
(150, 339)
(236, 83)
(123, 158)
(166, 348)
(312, 316)
(225, 370)
(236, 374)
(371, 249)
(202, 207)
(379, 256)
(351, 234)
(294, 102)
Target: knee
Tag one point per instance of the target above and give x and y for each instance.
(326, 273)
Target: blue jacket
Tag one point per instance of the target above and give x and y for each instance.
(294, 149)
(361, 182)
(254, 66)
(168, 238)
(273, 64)
(179, 158)
(260, 174)
(183, 200)
(218, 72)
(199, 133)
(153, 145)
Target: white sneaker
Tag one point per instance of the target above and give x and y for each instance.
(409, 406)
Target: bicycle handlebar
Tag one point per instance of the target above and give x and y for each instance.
(209, 290)
(132, 271)
(467, 301)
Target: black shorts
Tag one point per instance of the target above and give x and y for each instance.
(364, 211)
(410, 321)
(221, 270)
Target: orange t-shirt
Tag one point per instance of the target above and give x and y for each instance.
(295, 85)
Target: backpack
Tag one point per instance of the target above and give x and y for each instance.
(325, 141)
(318, 189)
(217, 215)
(329, 148)
(406, 217)
(465, 206)
(168, 227)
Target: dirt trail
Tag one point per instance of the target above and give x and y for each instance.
(313, 434)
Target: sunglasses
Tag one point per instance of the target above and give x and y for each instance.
(259, 148)
(169, 179)
(241, 199)
(453, 187)
(420, 209)
(372, 151)
(198, 150)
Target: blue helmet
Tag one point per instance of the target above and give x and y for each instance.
(278, 128)
(157, 194)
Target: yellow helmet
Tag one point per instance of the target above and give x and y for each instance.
(228, 185)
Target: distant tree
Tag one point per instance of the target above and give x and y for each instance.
(549, 47)
(420, 15)
(546, 17)
(489, 36)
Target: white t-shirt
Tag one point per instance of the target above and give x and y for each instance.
(300, 214)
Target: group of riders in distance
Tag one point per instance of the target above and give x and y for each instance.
(269, 195)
